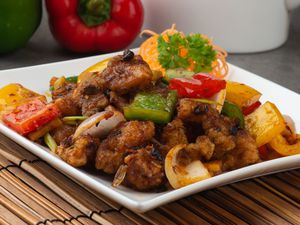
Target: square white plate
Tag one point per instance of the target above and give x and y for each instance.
(37, 79)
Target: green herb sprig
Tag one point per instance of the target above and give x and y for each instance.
(198, 50)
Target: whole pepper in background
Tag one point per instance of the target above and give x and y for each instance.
(95, 25)
(18, 21)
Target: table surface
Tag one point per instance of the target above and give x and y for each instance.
(28, 195)
(281, 65)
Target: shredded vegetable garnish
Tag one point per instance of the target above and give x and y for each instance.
(150, 52)
(73, 120)
(50, 142)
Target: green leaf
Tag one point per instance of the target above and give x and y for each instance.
(198, 47)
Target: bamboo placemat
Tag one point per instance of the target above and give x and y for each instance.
(33, 192)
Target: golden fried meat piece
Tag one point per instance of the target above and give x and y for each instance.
(217, 127)
(79, 152)
(125, 136)
(145, 169)
(65, 88)
(63, 132)
(245, 153)
(124, 74)
(202, 149)
(173, 133)
(67, 107)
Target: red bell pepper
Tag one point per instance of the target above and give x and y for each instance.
(199, 86)
(30, 116)
(95, 25)
(251, 108)
(263, 152)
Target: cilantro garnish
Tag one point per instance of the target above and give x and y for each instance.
(198, 50)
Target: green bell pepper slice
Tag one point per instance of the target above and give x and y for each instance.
(155, 107)
(72, 79)
(233, 111)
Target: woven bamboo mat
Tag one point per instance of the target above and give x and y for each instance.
(33, 192)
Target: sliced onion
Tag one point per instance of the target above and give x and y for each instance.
(120, 176)
(100, 124)
(290, 124)
(219, 98)
(290, 129)
(180, 175)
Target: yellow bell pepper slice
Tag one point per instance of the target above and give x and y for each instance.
(265, 123)
(240, 94)
(15, 94)
(98, 67)
(41, 131)
(280, 145)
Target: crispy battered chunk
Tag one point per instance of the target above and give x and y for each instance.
(193, 111)
(217, 127)
(89, 95)
(118, 101)
(93, 104)
(203, 148)
(123, 76)
(63, 90)
(173, 133)
(145, 170)
(67, 107)
(79, 152)
(93, 84)
(245, 152)
(63, 132)
(223, 142)
(125, 136)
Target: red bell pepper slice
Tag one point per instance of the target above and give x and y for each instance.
(251, 108)
(30, 116)
(95, 25)
(199, 86)
(263, 152)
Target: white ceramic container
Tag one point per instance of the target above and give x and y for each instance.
(239, 26)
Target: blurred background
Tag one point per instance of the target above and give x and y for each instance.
(281, 65)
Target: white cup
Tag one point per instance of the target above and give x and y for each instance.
(239, 26)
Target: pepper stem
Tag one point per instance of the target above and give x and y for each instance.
(94, 12)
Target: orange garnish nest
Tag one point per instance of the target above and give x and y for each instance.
(149, 52)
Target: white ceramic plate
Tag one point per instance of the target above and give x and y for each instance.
(37, 79)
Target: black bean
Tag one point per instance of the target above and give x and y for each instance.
(106, 92)
(90, 90)
(127, 55)
(136, 147)
(233, 130)
(156, 153)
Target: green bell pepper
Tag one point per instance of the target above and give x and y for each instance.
(156, 107)
(18, 21)
(73, 79)
(233, 111)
